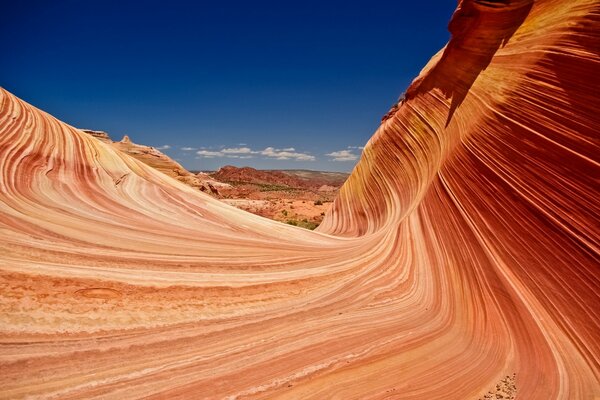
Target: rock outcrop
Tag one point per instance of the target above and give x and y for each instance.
(100, 135)
(294, 178)
(161, 162)
(229, 173)
(460, 260)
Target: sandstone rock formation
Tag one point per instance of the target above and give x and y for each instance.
(161, 162)
(296, 197)
(229, 173)
(293, 178)
(100, 135)
(460, 260)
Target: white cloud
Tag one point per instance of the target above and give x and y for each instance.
(356, 147)
(238, 150)
(237, 156)
(342, 155)
(209, 154)
(163, 147)
(286, 154)
(188, 148)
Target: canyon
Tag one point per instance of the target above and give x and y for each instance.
(296, 197)
(459, 260)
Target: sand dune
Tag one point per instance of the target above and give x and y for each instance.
(461, 254)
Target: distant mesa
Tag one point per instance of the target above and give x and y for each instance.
(299, 197)
(303, 179)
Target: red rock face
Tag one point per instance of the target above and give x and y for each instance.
(293, 179)
(459, 261)
(230, 173)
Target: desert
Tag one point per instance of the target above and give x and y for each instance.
(459, 259)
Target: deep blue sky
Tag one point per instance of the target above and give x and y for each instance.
(312, 76)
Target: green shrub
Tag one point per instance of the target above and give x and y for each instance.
(306, 224)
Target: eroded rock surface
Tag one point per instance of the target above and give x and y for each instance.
(462, 249)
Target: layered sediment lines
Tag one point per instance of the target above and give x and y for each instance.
(460, 258)
(161, 162)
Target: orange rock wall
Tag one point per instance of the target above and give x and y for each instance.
(462, 250)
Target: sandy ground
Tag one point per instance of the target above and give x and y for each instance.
(304, 213)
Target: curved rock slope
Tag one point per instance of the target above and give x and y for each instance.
(160, 161)
(460, 260)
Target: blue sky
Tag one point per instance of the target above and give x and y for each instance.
(266, 84)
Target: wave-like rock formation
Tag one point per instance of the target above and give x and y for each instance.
(161, 162)
(461, 259)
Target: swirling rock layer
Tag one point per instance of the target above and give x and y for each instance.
(459, 261)
(161, 162)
